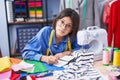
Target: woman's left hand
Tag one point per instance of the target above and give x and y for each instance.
(59, 55)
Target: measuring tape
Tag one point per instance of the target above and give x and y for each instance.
(68, 44)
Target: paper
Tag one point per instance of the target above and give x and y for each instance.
(63, 61)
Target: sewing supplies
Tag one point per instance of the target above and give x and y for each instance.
(106, 57)
(116, 58)
(110, 49)
(95, 38)
(113, 50)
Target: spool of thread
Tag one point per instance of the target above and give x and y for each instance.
(113, 50)
(106, 57)
(116, 58)
(110, 49)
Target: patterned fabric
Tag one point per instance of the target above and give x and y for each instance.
(81, 69)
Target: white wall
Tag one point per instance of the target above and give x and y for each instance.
(4, 43)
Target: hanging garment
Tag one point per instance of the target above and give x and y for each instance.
(114, 25)
(89, 10)
(106, 12)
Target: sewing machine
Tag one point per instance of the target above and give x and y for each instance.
(95, 38)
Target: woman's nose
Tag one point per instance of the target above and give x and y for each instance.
(64, 26)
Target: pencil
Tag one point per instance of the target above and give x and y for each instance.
(50, 51)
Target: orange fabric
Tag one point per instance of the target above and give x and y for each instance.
(15, 60)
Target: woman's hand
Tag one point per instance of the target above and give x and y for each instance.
(67, 53)
(49, 59)
(60, 55)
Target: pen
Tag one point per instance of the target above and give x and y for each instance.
(50, 51)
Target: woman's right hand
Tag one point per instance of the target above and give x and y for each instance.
(49, 59)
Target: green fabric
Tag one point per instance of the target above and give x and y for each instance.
(39, 67)
(84, 12)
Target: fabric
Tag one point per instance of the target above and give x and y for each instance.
(5, 75)
(38, 66)
(81, 69)
(106, 12)
(52, 67)
(23, 66)
(14, 76)
(38, 45)
(114, 25)
(5, 64)
(9, 75)
(15, 60)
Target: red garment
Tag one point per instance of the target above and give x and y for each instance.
(114, 25)
(106, 12)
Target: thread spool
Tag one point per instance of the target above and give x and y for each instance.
(113, 50)
(116, 61)
(106, 57)
(110, 49)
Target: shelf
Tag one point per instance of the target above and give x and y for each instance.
(30, 22)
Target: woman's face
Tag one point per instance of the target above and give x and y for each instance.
(63, 27)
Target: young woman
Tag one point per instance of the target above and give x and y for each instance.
(52, 43)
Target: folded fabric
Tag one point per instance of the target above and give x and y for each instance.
(38, 66)
(81, 69)
(5, 75)
(5, 64)
(9, 75)
(15, 60)
(14, 76)
(23, 66)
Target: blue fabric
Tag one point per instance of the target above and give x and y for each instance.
(52, 67)
(37, 46)
(23, 74)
